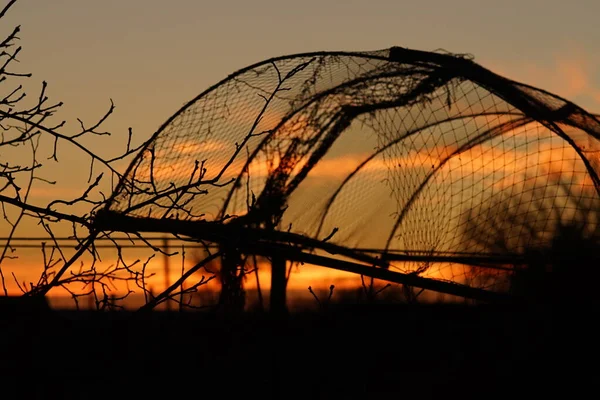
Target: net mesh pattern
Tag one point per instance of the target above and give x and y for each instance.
(402, 151)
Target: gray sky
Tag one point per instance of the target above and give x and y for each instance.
(151, 56)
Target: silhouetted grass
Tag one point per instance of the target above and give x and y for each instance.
(366, 350)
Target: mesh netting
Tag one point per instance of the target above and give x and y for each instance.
(404, 152)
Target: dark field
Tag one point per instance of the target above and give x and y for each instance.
(433, 351)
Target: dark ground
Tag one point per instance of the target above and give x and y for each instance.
(435, 351)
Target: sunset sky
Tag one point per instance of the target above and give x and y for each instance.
(150, 56)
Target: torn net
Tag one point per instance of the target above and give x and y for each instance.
(403, 152)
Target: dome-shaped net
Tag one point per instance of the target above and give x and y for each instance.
(404, 152)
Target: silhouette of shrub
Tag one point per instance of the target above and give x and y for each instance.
(556, 231)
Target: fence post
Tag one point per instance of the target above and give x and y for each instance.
(277, 299)
(166, 269)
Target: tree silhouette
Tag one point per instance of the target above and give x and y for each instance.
(558, 239)
(33, 142)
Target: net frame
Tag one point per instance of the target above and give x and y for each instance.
(420, 79)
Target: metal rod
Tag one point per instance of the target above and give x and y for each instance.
(384, 274)
(166, 269)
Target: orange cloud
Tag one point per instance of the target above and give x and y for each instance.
(521, 151)
(571, 74)
(576, 76)
(200, 149)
